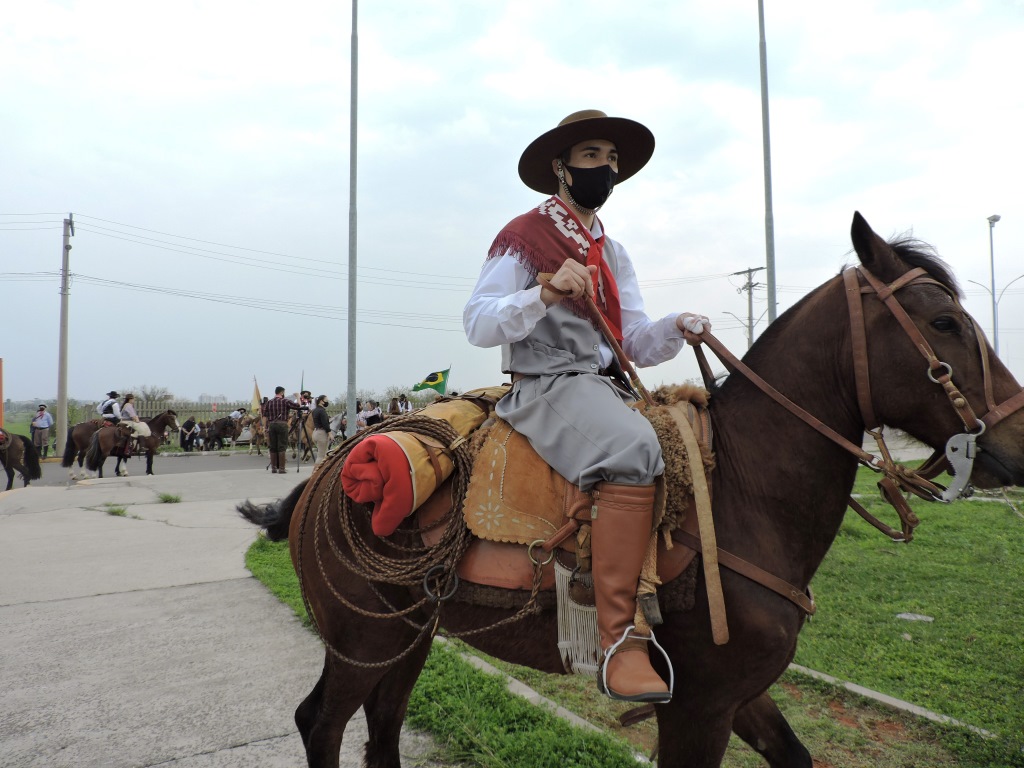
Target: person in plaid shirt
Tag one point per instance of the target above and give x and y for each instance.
(275, 411)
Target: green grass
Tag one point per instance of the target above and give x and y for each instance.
(169, 498)
(840, 729)
(271, 563)
(19, 423)
(115, 509)
(479, 722)
(964, 569)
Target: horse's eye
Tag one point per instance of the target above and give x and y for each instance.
(944, 324)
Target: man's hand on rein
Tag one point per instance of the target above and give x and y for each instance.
(692, 326)
(573, 278)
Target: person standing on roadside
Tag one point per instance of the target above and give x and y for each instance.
(322, 433)
(41, 430)
(275, 410)
(188, 430)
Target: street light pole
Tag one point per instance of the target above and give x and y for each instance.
(769, 214)
(992, 263)
(747, 324)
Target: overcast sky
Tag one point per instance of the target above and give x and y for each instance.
(203, 148)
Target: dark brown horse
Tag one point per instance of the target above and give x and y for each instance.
(106, 439)
(221, 430)
(780, 492)
(79, 437)
(17, 454)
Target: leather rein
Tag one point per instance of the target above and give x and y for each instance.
(961, 448)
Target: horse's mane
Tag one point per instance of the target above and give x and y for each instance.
(918, 253)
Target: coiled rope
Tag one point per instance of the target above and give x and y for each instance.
(431, 568)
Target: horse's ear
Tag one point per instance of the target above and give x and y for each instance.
(873, 252)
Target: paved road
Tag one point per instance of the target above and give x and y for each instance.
(172, 464)
(142, 640)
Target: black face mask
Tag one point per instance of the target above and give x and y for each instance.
(591, 187)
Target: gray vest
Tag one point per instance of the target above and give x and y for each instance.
(560, 343)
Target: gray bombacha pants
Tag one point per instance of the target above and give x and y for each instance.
(581, 425)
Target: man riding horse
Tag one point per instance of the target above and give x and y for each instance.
(569, 396)
(110, 412)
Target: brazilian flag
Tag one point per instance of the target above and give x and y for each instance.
(438, 381)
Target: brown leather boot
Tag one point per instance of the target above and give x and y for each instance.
(273, 462)
(621, 532)
(282, 459)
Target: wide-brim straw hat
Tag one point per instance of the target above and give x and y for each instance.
(634, 142)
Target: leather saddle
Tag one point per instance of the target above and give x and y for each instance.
(523, 513)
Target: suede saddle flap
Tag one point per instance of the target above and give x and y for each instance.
(513, 496)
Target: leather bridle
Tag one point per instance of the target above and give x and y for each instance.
(961, 448)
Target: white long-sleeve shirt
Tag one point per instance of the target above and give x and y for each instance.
(502, 310)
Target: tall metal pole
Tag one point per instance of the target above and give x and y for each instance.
(350, 401)
(62, 355)
(992, 262)
(769, 217)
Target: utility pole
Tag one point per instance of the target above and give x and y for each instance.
(749, 288)
(62, 356)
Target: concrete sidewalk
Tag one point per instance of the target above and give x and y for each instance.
(142, 640)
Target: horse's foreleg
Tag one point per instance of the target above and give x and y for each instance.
(10, 478)
(691, 734)
(386, 706)
(323, 715)
(149, 462)
(78, 474)
(760, 723)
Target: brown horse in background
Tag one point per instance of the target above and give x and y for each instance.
(220, 430)
(300, 433)
(18, 454)
(780, 490)
(106, 439)
(76, 446)
(257, 434)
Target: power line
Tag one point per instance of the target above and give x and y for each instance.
(270, 305)
(251, 261)
(194, 239)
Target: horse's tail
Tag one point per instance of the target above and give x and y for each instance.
(275, 517)
(69, 450)
(94, 456)
(31, 459)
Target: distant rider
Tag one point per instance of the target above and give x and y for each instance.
(110, 409)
